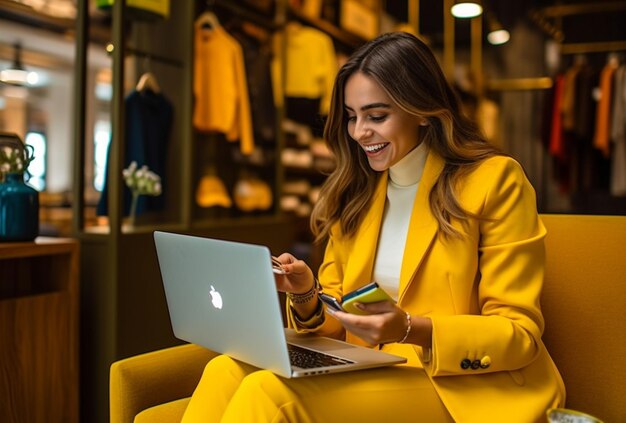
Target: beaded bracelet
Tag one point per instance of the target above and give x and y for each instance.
(307, 296)
(408, 328)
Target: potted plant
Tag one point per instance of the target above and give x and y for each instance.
(19, 202)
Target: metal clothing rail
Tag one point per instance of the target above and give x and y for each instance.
(594, 47)
(519, 84)
(151, 56)
(243, 13)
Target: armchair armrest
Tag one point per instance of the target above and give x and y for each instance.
(150, 379)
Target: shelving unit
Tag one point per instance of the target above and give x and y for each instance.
(123, 307)
(39, 360)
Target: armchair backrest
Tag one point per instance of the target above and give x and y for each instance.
(584, 305)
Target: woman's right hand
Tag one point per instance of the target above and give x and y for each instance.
(297, 277)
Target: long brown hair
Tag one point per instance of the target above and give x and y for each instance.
(409, 73)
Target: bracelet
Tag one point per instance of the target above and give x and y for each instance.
(307, 296)
(314, 321)
(408, 328)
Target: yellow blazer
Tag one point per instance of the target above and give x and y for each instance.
(488, 362)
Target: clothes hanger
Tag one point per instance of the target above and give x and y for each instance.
(148, 81)
(293, 26)
(208, 20)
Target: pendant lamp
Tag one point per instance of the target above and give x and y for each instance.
(16, 74)
(497, 34)
(466, 9)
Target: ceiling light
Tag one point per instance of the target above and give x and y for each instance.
(16, 74)
(466, 9)
(497, 34)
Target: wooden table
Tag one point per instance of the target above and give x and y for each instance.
(39, 365)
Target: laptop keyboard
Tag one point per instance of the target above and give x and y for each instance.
(308, 359)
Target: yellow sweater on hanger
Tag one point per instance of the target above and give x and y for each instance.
(310, 65)
(220, 88)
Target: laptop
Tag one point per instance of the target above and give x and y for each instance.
(222, 295)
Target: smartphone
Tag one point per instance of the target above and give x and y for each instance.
(331, 302)
(370, 293)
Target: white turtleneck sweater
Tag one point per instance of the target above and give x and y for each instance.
(404, 179)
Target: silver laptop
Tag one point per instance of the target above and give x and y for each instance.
(222, 295)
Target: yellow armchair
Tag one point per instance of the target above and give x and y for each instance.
(583, 301)
(156, 386)
(584, 306)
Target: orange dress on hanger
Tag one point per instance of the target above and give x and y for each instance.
(603, 116)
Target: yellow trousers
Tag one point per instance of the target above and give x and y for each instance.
(231, 391)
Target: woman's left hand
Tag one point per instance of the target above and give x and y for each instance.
(385, 323)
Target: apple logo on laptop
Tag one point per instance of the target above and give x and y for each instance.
(216, 298)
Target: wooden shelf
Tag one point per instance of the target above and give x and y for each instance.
(39, 331)
(346, 38)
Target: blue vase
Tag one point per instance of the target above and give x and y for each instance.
(19, 209)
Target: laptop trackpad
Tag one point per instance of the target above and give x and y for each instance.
(318, 343)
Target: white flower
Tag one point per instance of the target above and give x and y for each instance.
(141, 181)
(15, 160)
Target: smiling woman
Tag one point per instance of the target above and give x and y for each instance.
(420, 203)
(384, 131)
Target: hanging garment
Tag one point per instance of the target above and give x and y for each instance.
(220, 88)
(310, 65)
(603, 114)
(147, 130)
(584, 103)
(257, 58)
(547, 108)
(557, 148)
(568, 98)
(573, 144)
(618, 134)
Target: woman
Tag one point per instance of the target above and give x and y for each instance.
(421, 203)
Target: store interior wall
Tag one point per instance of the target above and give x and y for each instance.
(46, 107)
(514, 60)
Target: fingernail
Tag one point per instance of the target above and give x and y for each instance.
(359, 306)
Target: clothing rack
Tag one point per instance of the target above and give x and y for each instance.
(156, 57)
(242, 13)
(549, 20)
(595, 47)
(346, 38)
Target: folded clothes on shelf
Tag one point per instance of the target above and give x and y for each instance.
(296, 158)
(212, 192)
(252, 194)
